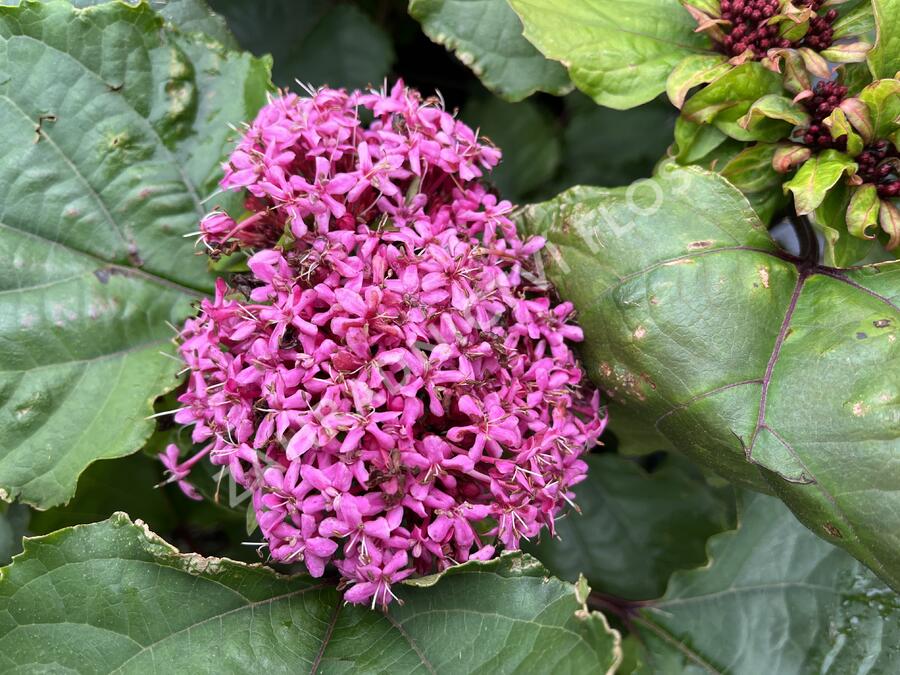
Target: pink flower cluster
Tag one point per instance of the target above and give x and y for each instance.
(386, 379)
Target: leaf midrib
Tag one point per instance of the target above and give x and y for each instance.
(102, 263)
(248, 606)
(678, 644)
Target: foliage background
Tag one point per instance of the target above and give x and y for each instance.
(549, 144)
(696, 575)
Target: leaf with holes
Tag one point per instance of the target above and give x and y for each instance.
(486, 35)
(788, 603)
(114, 597)
(106, 161)
(775, 372)
(619, 53)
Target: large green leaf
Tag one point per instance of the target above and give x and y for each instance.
(106, 160)
(486, 35)
(882, 99)
(114, 597)
(778, 375)
(320, 42)
(774, 599)
(619, 53)
(884, 57)
(636, 528)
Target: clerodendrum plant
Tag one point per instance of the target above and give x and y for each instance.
(369, 347)
(389, 377)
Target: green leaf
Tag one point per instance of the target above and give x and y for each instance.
(796, 77)
(751, 171)
(635, 528)
(105, 163)
(862, 212)
(632, 658)
(486, 35)
(816, 177)
(693, 71)
(775, 376)
(884, 58)
(889, 218)
(188, 16)
(860, 21)
(528, 137)
(320, 42)
(709, 7)
(883, 101)
(726, 100)
(695, 141)
(774, 106)
(13, 526)
(114, 597)
(788, 155)
(195, 16)
(774, 599)
(815, 63)
(855, 76)
(619, 53)
(830, 218)
(847, 52)
(838, 125)
(859, 117)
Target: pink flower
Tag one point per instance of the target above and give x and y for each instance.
(383, 380)
(179, 472)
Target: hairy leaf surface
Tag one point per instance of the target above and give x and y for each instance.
(774, 372)
(113, 597)
(773, 599)
(113, 126)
